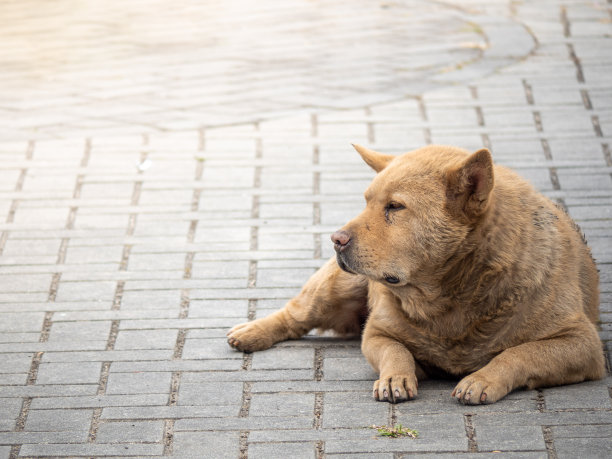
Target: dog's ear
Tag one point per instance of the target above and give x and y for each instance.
(377, 161)
(469, 186)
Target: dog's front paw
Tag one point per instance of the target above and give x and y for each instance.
(249, 337)
(476, 388)
(395, 388)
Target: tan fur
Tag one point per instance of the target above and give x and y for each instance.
(465, 269)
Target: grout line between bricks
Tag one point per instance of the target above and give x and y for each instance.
(392, 414)
(168, 437)
(565, 22)
(320, 449)
(180, 344)
(549, 442)
(424, 118)
(572, 54)
(244, 444)
(470, 432)
(370, 126)
(112, 335)
(316, 205)
(29, 154)
(486, 141)
(95, 424)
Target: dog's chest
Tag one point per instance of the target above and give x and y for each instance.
(452, 341)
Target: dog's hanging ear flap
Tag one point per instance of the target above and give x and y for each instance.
(470, 185)
(377, 161)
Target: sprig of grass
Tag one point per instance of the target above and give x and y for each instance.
(397, 431)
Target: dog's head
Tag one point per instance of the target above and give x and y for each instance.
(420, 208)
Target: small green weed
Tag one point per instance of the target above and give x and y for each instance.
(397, 431)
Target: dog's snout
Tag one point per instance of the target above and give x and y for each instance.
(340, 240)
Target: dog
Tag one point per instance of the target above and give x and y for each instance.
(456, 266)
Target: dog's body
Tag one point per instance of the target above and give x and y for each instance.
(459, 266)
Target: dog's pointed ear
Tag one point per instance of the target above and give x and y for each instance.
(377, 161)
(469, 186)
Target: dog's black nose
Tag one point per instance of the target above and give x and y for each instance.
(340, 240)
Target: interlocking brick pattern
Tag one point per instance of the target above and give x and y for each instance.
(170, 169)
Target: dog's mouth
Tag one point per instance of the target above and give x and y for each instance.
(388, 279)
(343, 265)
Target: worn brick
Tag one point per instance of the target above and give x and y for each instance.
(130, 432)
(218, 444)
(138, 383)
(69, 373)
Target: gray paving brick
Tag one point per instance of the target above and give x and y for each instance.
(69, 373)
(79, 331)
(282, 450)
(138, 383)
(356, 368)
(283, 358)
(145, 339)
(58, 420)
(353, 409)
(78, 291)
(15, 362)
(161, 299)
(586, 395)
(510, 438)
(575, 447)
(218, 444)
(209, 349)
(130, 432)
(211, 394)
(131, 449)
(211, 308)
(282, 405)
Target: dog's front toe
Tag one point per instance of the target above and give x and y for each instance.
(395, 389)
(477, 389)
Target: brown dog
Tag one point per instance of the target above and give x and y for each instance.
(459, 266)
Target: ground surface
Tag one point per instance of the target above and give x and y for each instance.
(170, 169)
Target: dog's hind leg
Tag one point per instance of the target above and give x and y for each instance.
(331, 299)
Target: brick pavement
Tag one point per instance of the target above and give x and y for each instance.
(171, 169)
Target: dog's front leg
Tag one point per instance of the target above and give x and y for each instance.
(331, 299)
(573, 356)
(394, 363)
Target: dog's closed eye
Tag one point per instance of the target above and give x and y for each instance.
(392, 207)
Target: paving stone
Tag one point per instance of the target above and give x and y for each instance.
(85, 449)
(574, 447)
(130, 432)
(586, 395)
(356, 368)
(218, 444)
(79, 331)
(138, 383)
(284, 358)
(282, 450)
(509, 438)
(145, 339)
(69, 373)
(211, 394)
(58, 420)
(353, 409)
(282, 405)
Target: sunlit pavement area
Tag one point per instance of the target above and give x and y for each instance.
(171, 169)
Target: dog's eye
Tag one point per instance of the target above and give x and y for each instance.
(392, 206)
